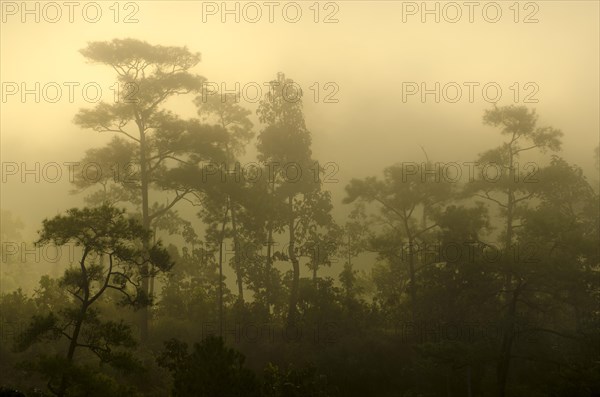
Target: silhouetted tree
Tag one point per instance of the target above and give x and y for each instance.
(111, 260)
(147, 76)
(510, 189)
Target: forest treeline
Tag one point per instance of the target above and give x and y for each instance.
(485, 285)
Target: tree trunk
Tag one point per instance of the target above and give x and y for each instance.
(292, 313)
(269, 264)
(238, 254)
(268, 268)
(72, 346)
(221, 238)
(503, 367)
(145, 311)
(411, 269)
(413, 287)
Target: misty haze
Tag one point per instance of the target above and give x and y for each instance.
(300, 199)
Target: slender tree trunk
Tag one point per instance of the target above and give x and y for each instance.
(315, 256)
(238, 254)
(72, 346)
(151, 287)
(269, 263)
(503, 366)
(78, 323)
(145, 311)
(268, 267)
(292, 313)
(411, 269)
(510, 209)
(221, 238)
(236, 245)
(413, 287)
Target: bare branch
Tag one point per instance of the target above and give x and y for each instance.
(487, 196)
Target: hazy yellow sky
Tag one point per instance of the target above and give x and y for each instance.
(369, 54)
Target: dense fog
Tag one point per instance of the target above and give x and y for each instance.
(284, 199)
